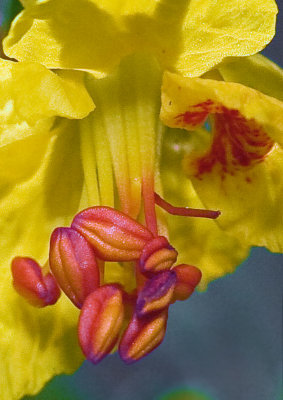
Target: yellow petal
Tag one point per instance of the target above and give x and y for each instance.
(240, 170)
(199, 241)
(30, 97)
(187, 36)
(37, 344)
(27, 3)
(256, 72)
(186, 103)
(29, 92)
(214, 30)
(26, 144)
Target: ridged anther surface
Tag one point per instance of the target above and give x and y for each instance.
(38, 289)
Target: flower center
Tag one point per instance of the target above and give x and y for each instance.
(118, 145)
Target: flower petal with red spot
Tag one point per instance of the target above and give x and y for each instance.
(239, 168)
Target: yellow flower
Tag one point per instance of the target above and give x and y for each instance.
(52, 165)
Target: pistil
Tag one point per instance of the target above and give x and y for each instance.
(185, 211)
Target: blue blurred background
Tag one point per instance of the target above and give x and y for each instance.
(224, 344)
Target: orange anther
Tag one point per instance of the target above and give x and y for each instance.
(157, 255)
(114, 235)
(100, 322)
(73, 263)
(156, 294)
(188, 277)
(38, 289)
(142, 336)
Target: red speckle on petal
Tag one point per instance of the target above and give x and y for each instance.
(237, 142)
(196, 116)
(191, 118)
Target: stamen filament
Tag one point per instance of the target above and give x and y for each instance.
(148, 105)
(103, 162)
(89, 162)
(185, 211)
(149, 204)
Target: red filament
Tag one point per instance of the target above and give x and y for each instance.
(185, 211)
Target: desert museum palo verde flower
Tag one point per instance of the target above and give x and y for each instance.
(91, 175)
